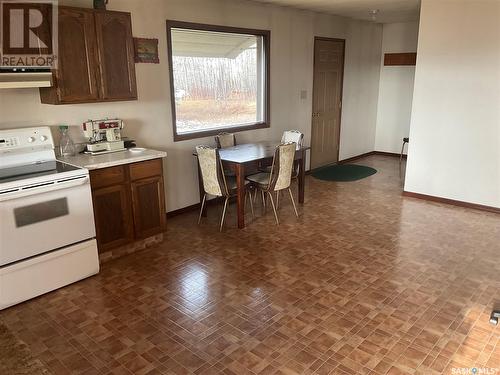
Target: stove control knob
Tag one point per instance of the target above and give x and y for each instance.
(31, 139)
(43, 138)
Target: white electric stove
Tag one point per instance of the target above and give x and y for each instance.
(47, 232)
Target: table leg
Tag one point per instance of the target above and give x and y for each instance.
(240, 181)
(202, 192)
(302, 176)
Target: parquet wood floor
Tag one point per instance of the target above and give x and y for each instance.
(364, 282)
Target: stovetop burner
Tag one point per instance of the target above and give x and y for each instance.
(23, 172)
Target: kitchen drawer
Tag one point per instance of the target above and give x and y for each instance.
(107, 176)
(145, 169)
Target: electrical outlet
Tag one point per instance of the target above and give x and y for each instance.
(495, 315)
(303, 94)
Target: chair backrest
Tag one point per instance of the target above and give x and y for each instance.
(225, 140)
(293, 136)
(214, 182)
(282, 167)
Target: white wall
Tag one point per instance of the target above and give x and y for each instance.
(360, 94)
(148, 120)
(455, 128)
(396, 88)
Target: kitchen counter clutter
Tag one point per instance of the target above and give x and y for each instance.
(109, 160)
(128, 199)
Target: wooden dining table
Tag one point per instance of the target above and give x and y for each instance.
(242, 158)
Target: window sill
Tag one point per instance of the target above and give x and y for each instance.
(208, 133)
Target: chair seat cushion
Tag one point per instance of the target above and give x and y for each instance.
(231, 183)
(261, 179)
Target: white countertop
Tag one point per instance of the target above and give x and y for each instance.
(112, 159)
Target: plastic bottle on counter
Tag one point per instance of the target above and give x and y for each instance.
(66, 145)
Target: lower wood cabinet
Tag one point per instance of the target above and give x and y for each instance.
(147, 198)
(129, 203)
(113, 217)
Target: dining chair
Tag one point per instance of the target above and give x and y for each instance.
(280, 176)
(290, 136)
(225, 140)
(298, 138)
(293, 136)
(215, 182)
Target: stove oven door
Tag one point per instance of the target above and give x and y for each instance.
(45, 217)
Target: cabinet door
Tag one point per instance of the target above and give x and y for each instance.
(77, 70)
(113, 219)
(116, 55)
(148, 203)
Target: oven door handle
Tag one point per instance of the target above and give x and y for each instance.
(43, 187)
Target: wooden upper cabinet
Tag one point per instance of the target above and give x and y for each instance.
(96, 58)
(116, 55)
(75, 79)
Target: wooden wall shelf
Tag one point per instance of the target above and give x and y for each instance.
(400, 59)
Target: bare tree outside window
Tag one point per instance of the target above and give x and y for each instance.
(219, 79)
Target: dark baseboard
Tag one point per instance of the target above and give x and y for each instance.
(354, 158)
(194, 207)
(453, 202)
(394, 154)
(183, 210)
(382, 153)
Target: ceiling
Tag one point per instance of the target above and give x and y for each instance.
(389, 10)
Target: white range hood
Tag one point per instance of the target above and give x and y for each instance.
(14, 80)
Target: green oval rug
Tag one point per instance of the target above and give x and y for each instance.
(343, 172)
